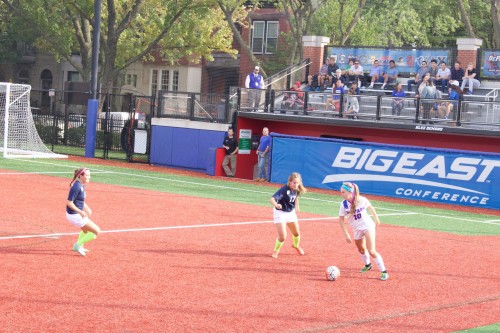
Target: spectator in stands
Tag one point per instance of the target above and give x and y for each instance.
(337, 76)
(356, 74)
(320, 78)
(254, 82)
(447, 107)
(422, 85)
(376, 74)
(433, 70)
(391, 74)
(338, 91)
(345, 72)
(398, 101)
(263, 154)
(332, 68)
(230, 144)
(457, 73)
(443, 76)
(469, 79)
(293, 100)
(419, 76)
(429, 98)
(352, 103)
(356, 88)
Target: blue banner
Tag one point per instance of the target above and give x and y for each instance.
(491, 64)
(444, 176)
(407, 60)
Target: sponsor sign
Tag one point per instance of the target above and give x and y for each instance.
(407, 60)
(444, 176)
(244, 143)
(491, 64)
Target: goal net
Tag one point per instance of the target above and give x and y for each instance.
(19, 137)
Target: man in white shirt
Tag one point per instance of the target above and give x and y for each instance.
(443, 76)
(356, 74)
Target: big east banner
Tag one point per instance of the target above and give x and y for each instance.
(446, 176)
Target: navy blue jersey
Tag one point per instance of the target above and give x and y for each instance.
(286, 198)
(77, 195)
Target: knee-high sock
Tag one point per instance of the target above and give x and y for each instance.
(380, 263)
(86, 238)
(80, 236)
(296, 241)
(277, 245)
(366, 258)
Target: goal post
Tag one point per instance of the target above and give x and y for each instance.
(19, 137)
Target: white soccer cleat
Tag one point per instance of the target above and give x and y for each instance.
(80, 249)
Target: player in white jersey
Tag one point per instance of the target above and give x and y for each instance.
(355, 208)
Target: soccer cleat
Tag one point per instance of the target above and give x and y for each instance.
(370, 86)
(299, 250)
(80, 249)
(384, 276)
(366, 268)
(275, 254)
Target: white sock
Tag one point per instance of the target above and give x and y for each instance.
(366, 258)
(383, 86)
(380, 263)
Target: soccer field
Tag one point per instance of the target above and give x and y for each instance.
(187, 252)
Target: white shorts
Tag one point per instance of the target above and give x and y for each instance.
(359, 234)
(77, 220)
(286, 217)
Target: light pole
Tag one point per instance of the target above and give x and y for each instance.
(93, 103)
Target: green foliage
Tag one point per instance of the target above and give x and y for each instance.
(76, 136)
(46, 133)
(401, 23)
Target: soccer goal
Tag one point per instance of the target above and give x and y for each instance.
(19, 137)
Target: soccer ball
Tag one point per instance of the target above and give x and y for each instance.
(332, 273)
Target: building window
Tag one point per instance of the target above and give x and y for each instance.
(265, 37)
(154, 82)
(175, 83)
(165, 78)
(23, 77)
(73, 76)
(46, 80)
(132, 80)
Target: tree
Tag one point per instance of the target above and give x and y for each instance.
(131, 31)
(495, 18)
(466, 19)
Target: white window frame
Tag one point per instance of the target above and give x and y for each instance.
(270, 32)
(132, 80)
(164, 79)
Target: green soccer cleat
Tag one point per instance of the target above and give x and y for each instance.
(366, 268)
(384, 276)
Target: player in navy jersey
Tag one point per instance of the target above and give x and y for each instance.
(354, 208)
(286, 206)
(77, 211)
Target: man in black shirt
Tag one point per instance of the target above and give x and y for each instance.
(231, 145)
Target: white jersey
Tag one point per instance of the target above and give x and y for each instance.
(360, 220)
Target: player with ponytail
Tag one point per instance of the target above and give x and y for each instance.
(78, 212)
(286, 206)
(354, 208)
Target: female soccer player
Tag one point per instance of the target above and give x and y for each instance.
(77, 211)
(354, 207)
(286, 203)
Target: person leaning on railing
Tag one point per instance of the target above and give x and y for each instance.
(254, 82)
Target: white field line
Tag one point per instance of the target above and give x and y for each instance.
(94, 170)
(194, 226)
